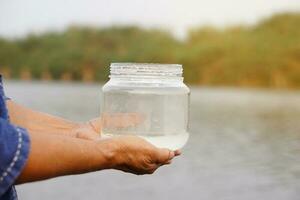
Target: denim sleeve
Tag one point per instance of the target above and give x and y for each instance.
(14, 150)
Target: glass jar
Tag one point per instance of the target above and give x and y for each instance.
(147, 100)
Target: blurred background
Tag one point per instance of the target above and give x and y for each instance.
(241, 60)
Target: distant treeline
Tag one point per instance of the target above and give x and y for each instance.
(263, 55)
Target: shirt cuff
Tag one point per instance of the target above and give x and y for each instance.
(14, 151)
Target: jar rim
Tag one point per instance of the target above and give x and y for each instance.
(145, 70)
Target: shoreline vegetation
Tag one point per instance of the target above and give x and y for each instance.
(265, 55)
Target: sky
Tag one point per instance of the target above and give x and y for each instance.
(21, 17)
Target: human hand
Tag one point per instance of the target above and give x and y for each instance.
(135, 155)
(91, 130)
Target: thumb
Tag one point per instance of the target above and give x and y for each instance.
(165, 155)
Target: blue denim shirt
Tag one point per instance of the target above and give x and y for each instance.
(14, 149)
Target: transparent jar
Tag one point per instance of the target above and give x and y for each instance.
(147, 100)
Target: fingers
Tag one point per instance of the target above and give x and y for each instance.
(121, 120)
(164, 156)
(96, 124)
(137, 156)
(85, 134)
(169, 162)
(177, 152)
(139, 172)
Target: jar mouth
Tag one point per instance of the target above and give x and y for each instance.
(145, 70)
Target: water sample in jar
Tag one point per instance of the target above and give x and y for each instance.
(147, 100)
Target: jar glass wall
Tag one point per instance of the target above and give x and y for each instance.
(147, 100)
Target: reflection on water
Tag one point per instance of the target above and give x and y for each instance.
(243, 145)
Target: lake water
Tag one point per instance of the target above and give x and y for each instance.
(244, 145)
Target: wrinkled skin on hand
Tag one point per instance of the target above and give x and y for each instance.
(129, 153)
(135, 155)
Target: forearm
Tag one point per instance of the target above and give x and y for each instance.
(37, 122)
(57, 155)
